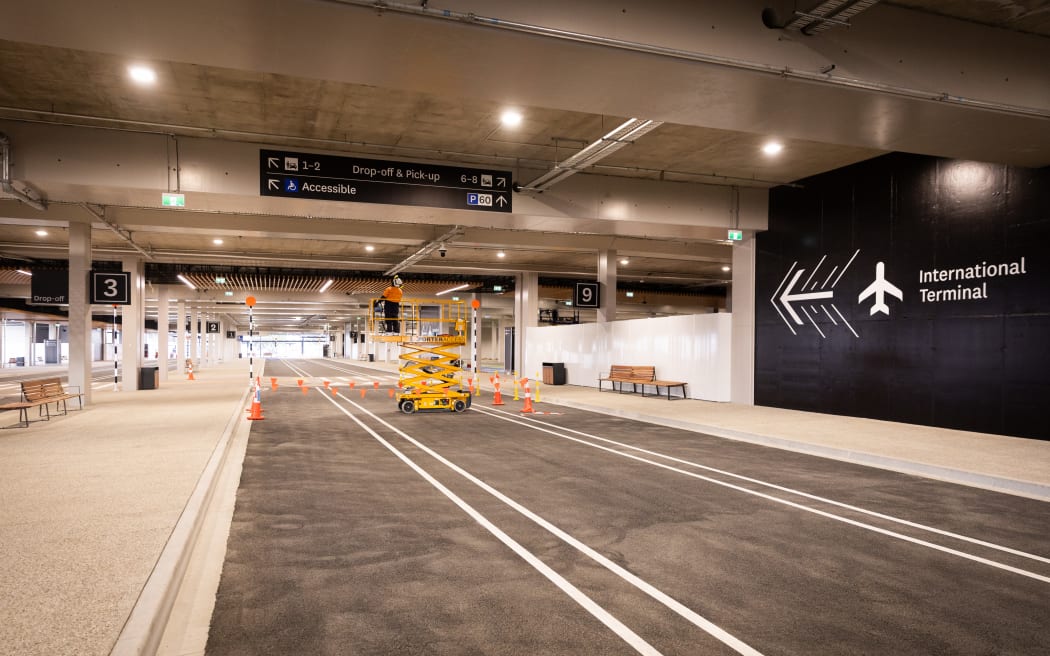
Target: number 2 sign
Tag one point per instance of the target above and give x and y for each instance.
(110, 288)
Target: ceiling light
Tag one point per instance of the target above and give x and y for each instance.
(501, 254)
(630, 294)
(510, 118)
(184, 281)
(725, 268)
(453, 289)
(23, 272)
(142, 74)
(772, 148)
(325, 286)
(625, 261)
(217, 241)
(41, 233)
(370, 248)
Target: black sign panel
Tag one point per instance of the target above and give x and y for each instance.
(329, 177)
(585, 295)
(111, 288)
(911, 289)
(49, 287)
(211, 327)
(231, 334)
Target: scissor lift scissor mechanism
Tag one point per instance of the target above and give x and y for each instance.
(428, 331)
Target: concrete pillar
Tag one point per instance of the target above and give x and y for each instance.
(80, 309)
(607, 286)
(132, 325)
(163, 319)
(526, 314)
(30, 335)
(195, 347)
(741, 301)
(180, 337)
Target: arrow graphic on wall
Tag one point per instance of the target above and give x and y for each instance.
(795, 293)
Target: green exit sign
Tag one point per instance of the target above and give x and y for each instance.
(736, 235)
(173, 200)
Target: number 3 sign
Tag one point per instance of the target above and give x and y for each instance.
(110, 288)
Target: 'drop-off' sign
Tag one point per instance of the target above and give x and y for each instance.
(329, 177)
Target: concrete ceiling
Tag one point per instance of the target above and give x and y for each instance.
(58, 78)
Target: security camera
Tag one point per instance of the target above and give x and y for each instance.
(441, 250)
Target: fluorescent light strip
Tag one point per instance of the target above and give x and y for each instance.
(453, 289)
(23, 272)
(325, 286)
(184, 281)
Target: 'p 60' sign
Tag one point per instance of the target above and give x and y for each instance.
(585, 295)
(111, 288)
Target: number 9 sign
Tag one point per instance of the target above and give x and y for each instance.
(586, 295)
(110, 288)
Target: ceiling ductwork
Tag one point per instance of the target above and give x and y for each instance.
(26, 194)
(824, 16)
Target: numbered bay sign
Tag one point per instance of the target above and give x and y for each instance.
(585, 295)
(111, 288)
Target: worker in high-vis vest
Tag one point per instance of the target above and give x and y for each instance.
(392, 304)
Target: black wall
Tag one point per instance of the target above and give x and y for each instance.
(938, 359)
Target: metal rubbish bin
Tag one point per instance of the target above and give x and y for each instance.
(149, 378)
(553, 373)
(371, 357)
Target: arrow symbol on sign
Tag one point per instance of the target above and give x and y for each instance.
(272, 162)
(787, 298)
(501, 182)
(501, 200)
(273, 184)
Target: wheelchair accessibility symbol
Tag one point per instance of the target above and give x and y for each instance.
(290, 184)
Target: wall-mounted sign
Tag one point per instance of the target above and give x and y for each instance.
(211, 327)
(329, 177)
(112, 288)
(736, 235)
(49, 287)
(173, 200)
(231, 334)
(585, 295)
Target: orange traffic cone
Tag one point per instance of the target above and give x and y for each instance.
(304, 388)
(497, 398)
(273, 384)
(391, 390)
(256, 410)
(300, 382)
(375, 384)
(333, 390)
(327, 383)
(190, 377)
(352, 384)
(363, 390)
(528, 396)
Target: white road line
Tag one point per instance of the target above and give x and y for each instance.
(682, 610)
(900, 536)
(604, 616)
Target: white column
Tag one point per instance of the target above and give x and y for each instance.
(741, 302)
(132, 326)
(195, 347)
(162, 332)
(526, 314)
(80, 309)
(180, 337)
(607, 286)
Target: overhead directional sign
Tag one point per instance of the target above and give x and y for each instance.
(111, 288)
(329, 177)
(586, 295)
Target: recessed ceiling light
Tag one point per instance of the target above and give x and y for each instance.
(217, 241)
(41, 233)
(725, 268)
(370, 248)
(501, 254)
(510, 118)
(142, 74)
(772, 148)
(625, 261)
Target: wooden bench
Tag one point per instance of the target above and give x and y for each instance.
(44, 391)
(23, 413)
(638, 375)
(621, 373)
(664, 383)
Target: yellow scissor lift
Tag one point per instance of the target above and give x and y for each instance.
(428, 330)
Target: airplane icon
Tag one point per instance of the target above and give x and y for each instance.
(880, 288)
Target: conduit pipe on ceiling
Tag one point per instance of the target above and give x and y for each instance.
(613, 141)
(828, 14)
(425, 250)
(29, 196)
(100, 214)
(675, 53)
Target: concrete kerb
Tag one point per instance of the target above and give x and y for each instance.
(144, 628)
(947, 474)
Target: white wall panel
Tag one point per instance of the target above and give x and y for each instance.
(691, 348)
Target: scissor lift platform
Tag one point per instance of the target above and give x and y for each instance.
(428, 331)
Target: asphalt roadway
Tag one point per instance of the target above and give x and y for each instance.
(362, 530)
